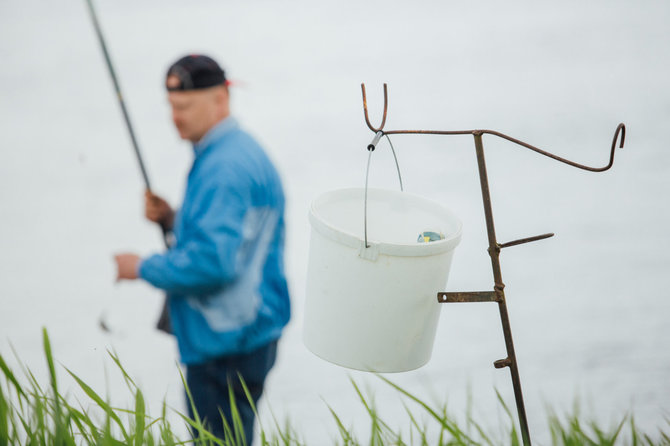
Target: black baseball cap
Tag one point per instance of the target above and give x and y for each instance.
(195, 72)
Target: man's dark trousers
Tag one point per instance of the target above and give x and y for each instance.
(208, 383)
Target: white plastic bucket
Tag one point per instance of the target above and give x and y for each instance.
(375, 308)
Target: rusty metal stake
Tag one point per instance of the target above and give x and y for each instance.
(494, 253)
(498, 294)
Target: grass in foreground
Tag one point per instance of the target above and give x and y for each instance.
(31, 414)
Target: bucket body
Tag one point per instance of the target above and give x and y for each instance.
(375, 308)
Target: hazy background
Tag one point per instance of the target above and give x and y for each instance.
(589, 308)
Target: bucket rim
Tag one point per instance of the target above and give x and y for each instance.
(394, 249)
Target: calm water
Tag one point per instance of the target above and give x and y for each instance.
(589, 308)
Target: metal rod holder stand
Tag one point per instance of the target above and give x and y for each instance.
(498, 294)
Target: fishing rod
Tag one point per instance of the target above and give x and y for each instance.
(163, 322)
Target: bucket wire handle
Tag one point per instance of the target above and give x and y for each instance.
(371, 148)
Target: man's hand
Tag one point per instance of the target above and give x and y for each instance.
(126, 266)
(158, 210)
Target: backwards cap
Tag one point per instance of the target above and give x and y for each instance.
(195, 72)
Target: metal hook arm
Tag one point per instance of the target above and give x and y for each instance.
(365, 109)
(620, 131)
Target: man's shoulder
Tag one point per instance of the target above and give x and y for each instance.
(239, 147)
(233, 144)
(243, 139)
(232, 156)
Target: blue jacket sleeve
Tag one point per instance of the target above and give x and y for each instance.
(204, 258)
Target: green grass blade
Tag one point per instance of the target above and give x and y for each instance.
(5, 417)
(189, 396)
(126, 376)
(344, 433)
(609, 439)
(452, 428)
(204, 435)
(60, 427)
(10, 376)
(140, 413)
(414, 422)
(238, 428)
(249, 398)
(284, 435)
(379, 428)
(100, 402)
(197, 423)
(514, 435)
(50, 360)
(85, 425)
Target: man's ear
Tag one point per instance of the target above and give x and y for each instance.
(221, 94)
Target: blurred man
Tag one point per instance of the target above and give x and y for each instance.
(224, 275)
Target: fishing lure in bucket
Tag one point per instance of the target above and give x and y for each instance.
(430, 236)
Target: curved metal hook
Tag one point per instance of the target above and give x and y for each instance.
(365, 109)
(620, 130)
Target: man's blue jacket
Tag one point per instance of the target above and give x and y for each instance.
(224, 276)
